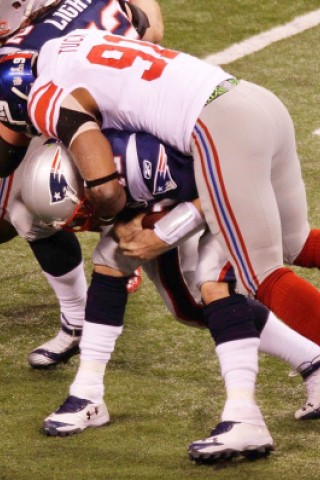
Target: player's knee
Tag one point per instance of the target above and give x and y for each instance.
(212, 291)
(58, 254)
(260, 314)
(107, 299)
(231, 318)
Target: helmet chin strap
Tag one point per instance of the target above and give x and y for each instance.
(79, 221)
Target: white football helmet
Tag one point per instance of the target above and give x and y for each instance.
(13, 13)
(52, 189)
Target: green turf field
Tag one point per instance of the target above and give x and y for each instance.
(163, 388)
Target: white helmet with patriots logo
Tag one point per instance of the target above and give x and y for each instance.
(52, 189)
(13, 13)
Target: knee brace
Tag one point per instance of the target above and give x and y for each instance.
(231, 318)
(58, 254)
(107, 299)
(260, 314)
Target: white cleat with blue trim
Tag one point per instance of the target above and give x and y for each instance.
(74, 416)
(231, 439)
(57, 350)
(311, 376)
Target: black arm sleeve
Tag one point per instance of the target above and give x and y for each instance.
(10, 157)
(139, 19)
(69, 122)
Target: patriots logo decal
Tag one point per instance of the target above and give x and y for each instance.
(59, 188)
(163, 181)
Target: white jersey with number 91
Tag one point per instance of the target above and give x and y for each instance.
(138, 86)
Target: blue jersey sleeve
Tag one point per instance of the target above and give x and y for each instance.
(166, 172)
(159, 170)
(68, 16)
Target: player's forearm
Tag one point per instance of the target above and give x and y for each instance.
(94, 158)
(152, 9)
(180, 223)
(146, 243)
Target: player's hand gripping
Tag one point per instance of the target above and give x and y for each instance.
(136, 241)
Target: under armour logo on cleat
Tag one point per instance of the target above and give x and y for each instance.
(89, 414)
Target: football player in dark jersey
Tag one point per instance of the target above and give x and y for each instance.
(159, 182)
(28, 25)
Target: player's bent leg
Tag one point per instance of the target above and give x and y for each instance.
(106, 254)
(61, 261)
(85, 407)
(242, 430)
(58, 253)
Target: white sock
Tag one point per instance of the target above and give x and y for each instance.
(239, 367)
(279, 340)
(71, 291)
(96, 346)
(88, 383)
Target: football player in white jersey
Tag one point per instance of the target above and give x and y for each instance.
(104, 313)
(167, 93)
(60, 256)
(96, 80)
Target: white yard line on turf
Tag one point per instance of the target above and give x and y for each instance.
(263, 40)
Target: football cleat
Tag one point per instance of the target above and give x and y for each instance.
(231, 439)
(134, 280)
(58, 350)
(311, 377)
(74, 416)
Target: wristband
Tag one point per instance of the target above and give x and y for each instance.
(100, 181)
(183, 220)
